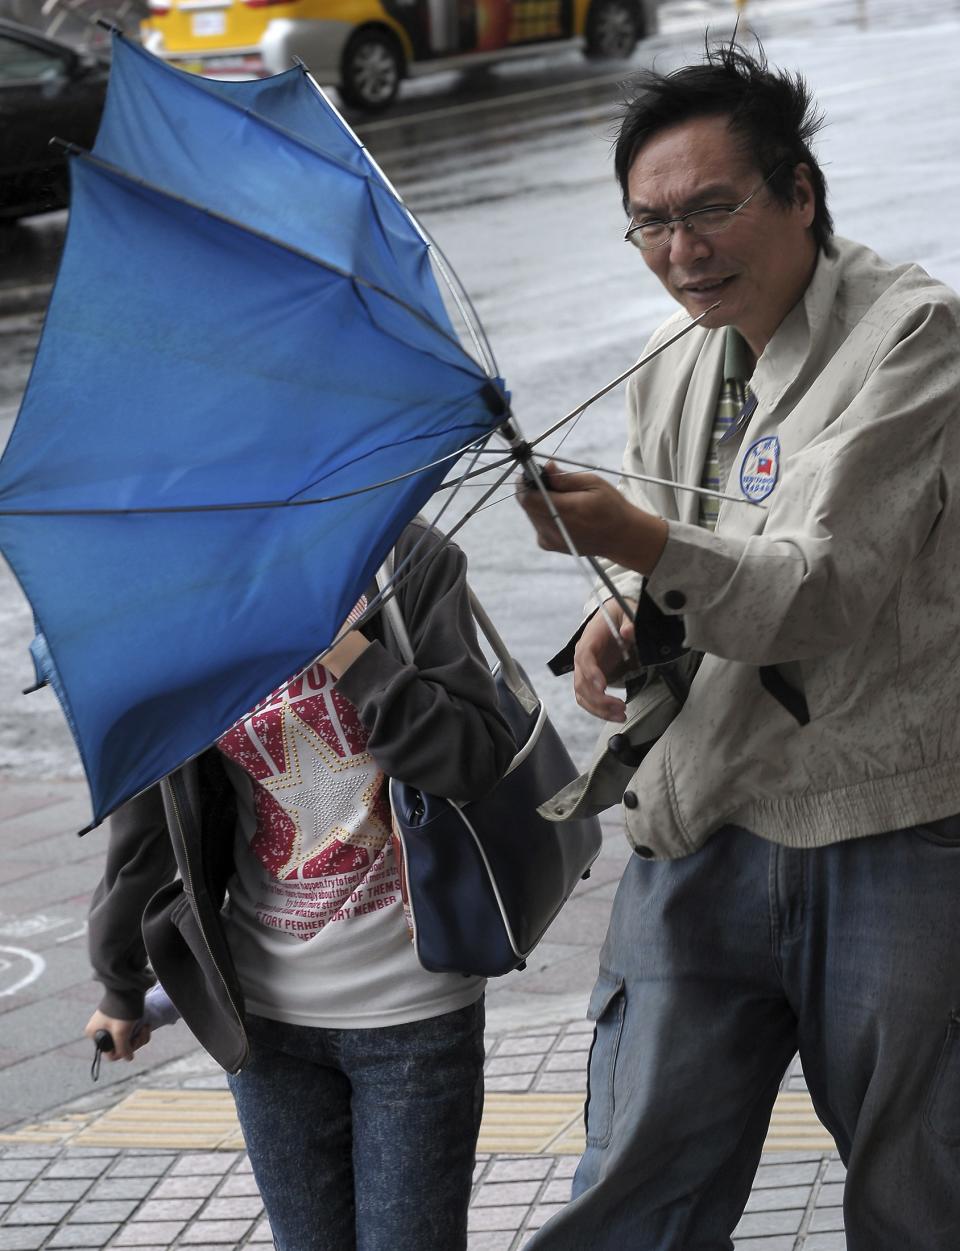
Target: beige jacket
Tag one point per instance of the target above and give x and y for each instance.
(846, 577)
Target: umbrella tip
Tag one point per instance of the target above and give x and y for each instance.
(87, 828)
(37, 686)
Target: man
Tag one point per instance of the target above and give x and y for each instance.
(797, 874)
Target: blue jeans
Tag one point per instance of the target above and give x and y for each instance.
(716, 970)
(364, 1139)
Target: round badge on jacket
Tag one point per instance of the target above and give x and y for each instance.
(760, 468)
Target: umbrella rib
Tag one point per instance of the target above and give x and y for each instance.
(246, 505)
(448, 273)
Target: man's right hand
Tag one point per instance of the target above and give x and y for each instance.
(598, 661)
(125, 1041)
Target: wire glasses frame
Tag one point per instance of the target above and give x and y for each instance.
(711, 220)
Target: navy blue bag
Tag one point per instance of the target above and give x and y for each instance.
(482, 881)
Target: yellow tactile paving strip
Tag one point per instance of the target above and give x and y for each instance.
(521, 1124)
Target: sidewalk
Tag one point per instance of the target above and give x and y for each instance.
(152, 1157)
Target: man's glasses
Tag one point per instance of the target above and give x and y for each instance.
(711, 220)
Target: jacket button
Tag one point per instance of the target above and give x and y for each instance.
(630, 800)
(646, 852)
(675, 599)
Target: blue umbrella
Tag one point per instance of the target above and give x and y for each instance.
(245, 336)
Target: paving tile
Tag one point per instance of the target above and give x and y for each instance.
(491, 1240)
(68, 1188)
(134, 1235)
(233, 1208)
(774, 1197)
(262, 1232)
(37, 1213)
(836, 1172)
(759, 1224)
(31, 1151)
(215, 1233)
(141, 1166)
(81, 1166)
(786, 1174)
(568, 1082)
(542, 1213)
(103, 1210)
(238, 1184)
(479, 1219)
(830, 1195)
(204, 1162)
(566, 1166)
(21, 1170)
(827, 1220)
(580, 1027)
(25, 1238)
(167, 1209)
(120, 1187)
(499, 1194)
(576, 1042)
(194, 1187)
(500, 1066)
(825, 1242)
(82, 1236)
(511, 1082)
(566, 1062)
(523, 1045)
(556, 1191)
(244, 1165)
(10, 1191)
(765, 1244)
(524, 1168)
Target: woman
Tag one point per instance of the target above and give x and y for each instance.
(357, 1075)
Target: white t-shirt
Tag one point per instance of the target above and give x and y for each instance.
(315, 917)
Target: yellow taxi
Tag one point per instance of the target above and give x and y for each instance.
(367, 47)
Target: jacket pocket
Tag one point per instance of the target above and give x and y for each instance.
(606, 1009)
(941, 1115)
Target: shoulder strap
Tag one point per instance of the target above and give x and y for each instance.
(509, 669)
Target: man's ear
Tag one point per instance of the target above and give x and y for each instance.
(805, 199)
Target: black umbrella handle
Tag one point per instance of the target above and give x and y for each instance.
(102, 1041)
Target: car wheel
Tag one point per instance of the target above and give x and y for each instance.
(613, 28)
(371, 69)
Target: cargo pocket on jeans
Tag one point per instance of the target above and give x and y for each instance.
(942, 1112)
(607, 1004)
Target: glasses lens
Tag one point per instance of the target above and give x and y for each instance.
(709, 221)
(654, 235)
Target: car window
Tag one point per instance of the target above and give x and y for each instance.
(20, 62)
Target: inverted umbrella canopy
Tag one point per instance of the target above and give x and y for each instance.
(245, 335)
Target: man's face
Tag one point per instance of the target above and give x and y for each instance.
(760, 265)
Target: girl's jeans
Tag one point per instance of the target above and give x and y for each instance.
(717, 968)
(364, 1139)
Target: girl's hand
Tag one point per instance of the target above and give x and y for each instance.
(125, 1040)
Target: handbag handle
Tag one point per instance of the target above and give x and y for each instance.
(509, 668)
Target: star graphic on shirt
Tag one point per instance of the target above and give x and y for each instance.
(317, 783)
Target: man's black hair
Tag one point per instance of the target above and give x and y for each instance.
(771, 112)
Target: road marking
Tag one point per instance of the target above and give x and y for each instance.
(37, 966)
